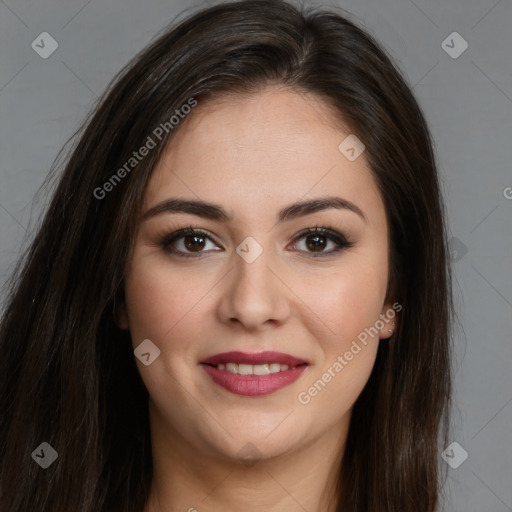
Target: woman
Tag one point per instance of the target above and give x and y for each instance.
(239, 297)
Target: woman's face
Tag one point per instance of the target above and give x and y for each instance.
(252, 280)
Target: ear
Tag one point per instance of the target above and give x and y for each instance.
(388, 319)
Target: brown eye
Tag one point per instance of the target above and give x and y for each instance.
(317, 239)
(316, 242)
(191, 242)
(194, 242)
(187, 242)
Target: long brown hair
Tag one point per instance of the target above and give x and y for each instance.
(68, 375)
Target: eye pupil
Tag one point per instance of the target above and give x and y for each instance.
(195, 244)
(316, 244)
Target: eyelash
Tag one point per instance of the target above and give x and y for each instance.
(326, 232)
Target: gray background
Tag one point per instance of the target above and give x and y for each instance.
(467, 102)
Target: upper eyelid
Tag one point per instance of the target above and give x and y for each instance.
(328, 232)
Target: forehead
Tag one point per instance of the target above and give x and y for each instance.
(259, 150)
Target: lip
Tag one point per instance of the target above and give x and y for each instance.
(256, 358)
(254, 385)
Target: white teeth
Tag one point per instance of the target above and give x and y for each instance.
(245, 369)
(232, 367)
(261, 369)
(253, 369)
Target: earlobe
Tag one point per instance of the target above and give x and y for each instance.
(388, 331)
(387, 322)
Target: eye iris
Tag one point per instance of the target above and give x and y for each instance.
(316, 245)
(195, 245)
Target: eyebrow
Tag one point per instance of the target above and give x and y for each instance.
(216, 212)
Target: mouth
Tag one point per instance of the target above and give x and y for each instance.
(253, 369)
(253, 374)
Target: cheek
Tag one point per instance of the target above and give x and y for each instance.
(347, 300)
(350, 307)
(349, 303)
(333, 389)
(162, 306)
(159, 302)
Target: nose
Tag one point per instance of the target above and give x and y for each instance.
(255, 295)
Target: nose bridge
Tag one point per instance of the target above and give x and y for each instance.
(252, 270)
(255, 295)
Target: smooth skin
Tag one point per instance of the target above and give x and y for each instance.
(254, 155)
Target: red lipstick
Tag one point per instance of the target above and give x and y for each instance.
(235, 371)
(256, 358)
